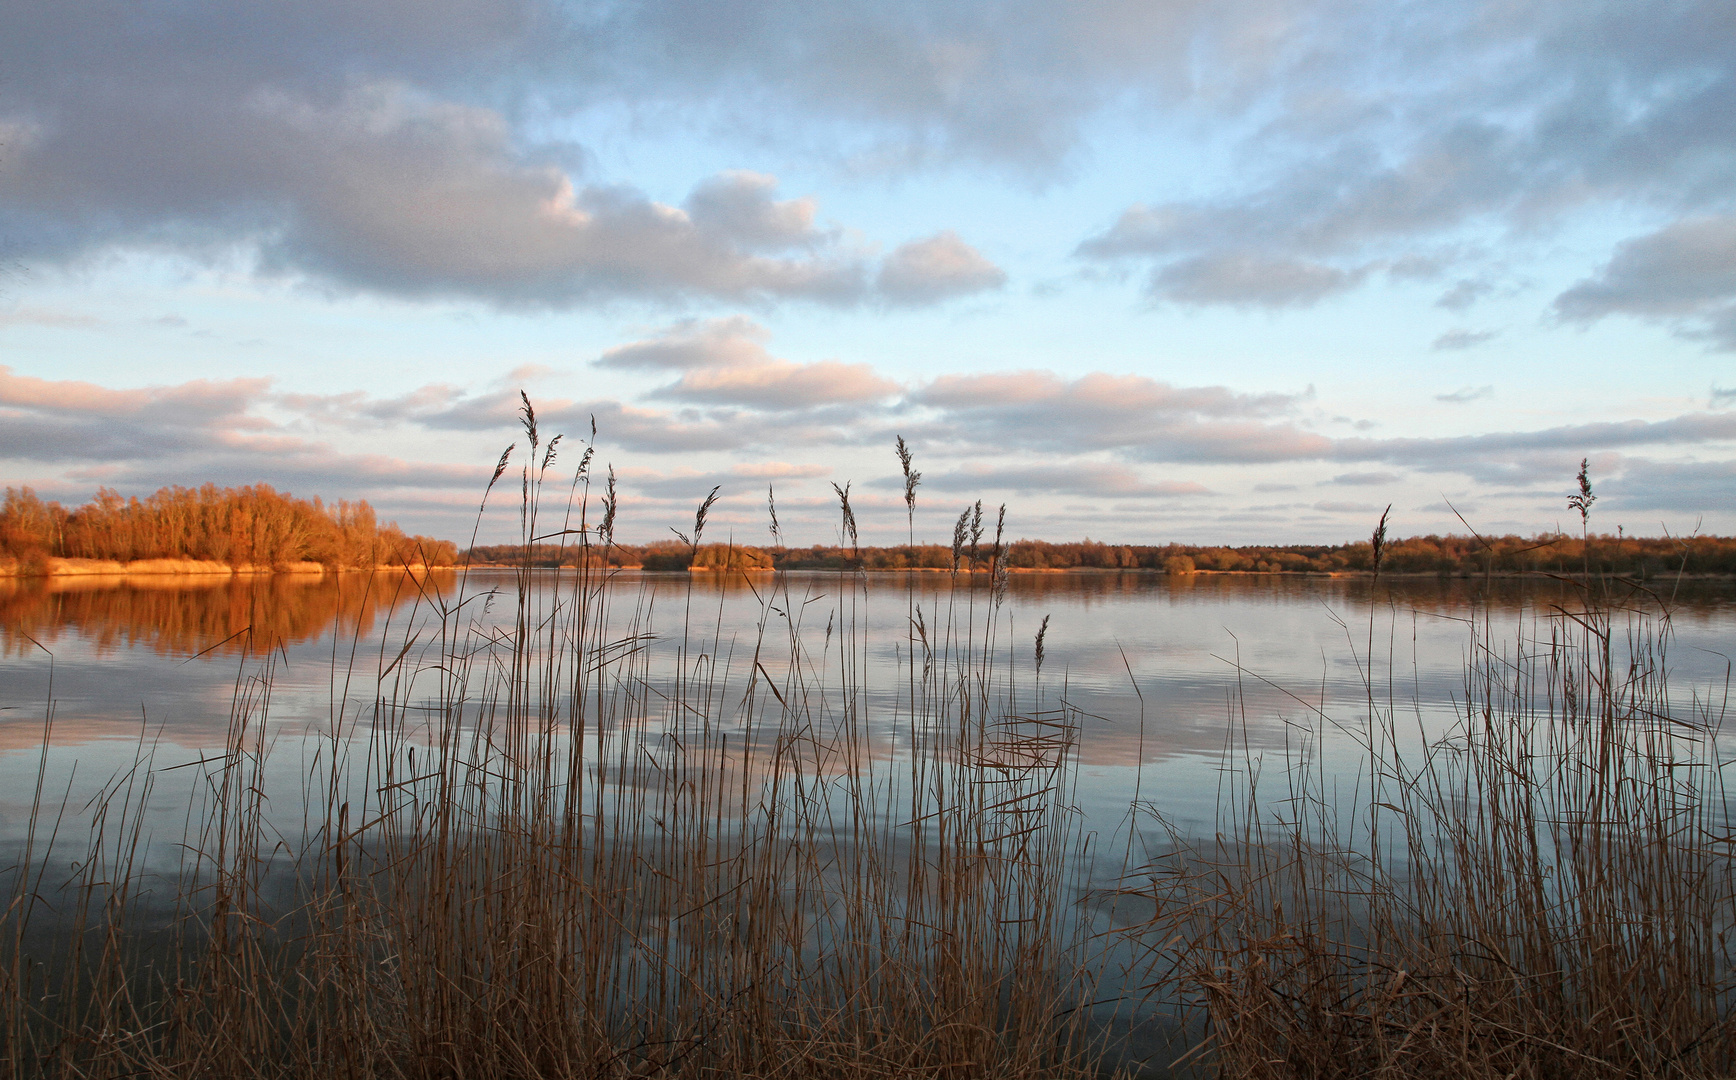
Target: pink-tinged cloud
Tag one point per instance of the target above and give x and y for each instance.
(735, 341)
(935, 269)
(195, 402)
(725, 362)
(779, 385)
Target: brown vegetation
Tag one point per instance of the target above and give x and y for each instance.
(1641, 558)
(534, 847)
(237, 527)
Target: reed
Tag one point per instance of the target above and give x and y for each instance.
(549, 837)
(565, 832)
(1545, 891)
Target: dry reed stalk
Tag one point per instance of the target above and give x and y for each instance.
(1544, 892)
(540, 847)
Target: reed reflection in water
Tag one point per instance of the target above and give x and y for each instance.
(1157, 667)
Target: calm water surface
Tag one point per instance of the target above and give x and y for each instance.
(1165, 673)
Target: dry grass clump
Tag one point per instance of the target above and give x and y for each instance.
(1545, 892)
(552, 832)
(545, 841)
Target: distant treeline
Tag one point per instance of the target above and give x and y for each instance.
(1451, 555)
(245, 526)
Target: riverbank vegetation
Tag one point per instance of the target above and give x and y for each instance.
(1640, 558)
(255, 527)
(552, 832)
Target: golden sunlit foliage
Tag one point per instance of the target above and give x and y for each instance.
(247, 526)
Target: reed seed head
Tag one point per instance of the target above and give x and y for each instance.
(527, 417)
(1583, 499)
(1378, 540)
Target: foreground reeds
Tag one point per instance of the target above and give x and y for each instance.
(558, 832)
(1545, 891)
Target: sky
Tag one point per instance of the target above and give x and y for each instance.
(1207, 271)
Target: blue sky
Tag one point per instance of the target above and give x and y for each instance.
(1177, 270)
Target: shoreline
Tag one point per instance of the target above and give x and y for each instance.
(1408, 575)
(112, 568)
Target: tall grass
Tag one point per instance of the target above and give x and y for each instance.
(548, 835)
(557, 830)
(1545, 891)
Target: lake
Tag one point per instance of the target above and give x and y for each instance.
(1163, 674)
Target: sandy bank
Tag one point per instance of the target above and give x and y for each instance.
(61, 568)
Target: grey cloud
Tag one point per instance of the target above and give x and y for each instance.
(1523, 457)
(362, 147)
(1004, 83)
(1358, 479)
(1720, 398)
(1147, 419)
(747, 480)
(1346, 508)
(1387, 140)
(1671, 486)
(387, 145)
(1072, 478)
(941, 267)
(1245, 279)
(384, 190)
(1686, 270)
(1466, 394)
(1463, 339)
(1464, 293)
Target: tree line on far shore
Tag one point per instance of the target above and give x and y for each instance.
(1449, 555)
(254, 526)
(259, 526)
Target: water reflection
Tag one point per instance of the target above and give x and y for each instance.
(1164, 672)
(187, 615)
(1157, 665)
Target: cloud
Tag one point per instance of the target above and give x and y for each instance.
(1387, 146)
(745, 480)
(190, 433)
(1466, 394)
(377, 185)
(1361, 479)
(382, 189)
(1464, 293)
(1680, 487)
(941, 267)
(1463, 339)
(48, 318)
(1079, 478)
(732, 342)
(1347, 508)
(1142, 417)
(1685, 272)
(1245, 279)
(725, 362)
(1522, 457)
(407, 149)
(777, 385)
